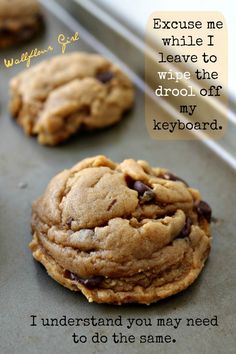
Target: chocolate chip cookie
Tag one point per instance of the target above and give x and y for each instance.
(20, 20)
(121, 233)
(60, 96)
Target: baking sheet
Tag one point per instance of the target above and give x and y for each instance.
(25, 288)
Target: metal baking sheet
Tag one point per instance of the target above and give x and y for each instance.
(26, 168)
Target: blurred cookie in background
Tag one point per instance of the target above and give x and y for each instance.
(20, 20)
(68, 93)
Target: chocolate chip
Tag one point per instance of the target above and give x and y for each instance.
(39, 17)
(104, 76)
(69, 221)
(204, 210)
(145, 193)
(147, 197)
(129, 180)
(140, 187)
(71, 275)
(186, 229)
(171, 177)
(90, 283)
(111, 204)
(5, 32)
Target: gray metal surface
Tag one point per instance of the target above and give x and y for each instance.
(25, 288)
